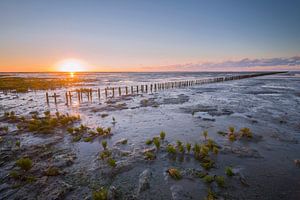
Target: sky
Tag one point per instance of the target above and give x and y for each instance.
(149, 35)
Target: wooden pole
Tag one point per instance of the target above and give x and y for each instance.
(113, 92)
(70, 96)
(47, 98)
(91, 94)
(98, 93)
(55, 98)
(67, 100)
(120, 93)
(78, 95)
(126, 90)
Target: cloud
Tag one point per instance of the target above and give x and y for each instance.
(264, 63)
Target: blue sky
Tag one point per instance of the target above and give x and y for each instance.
(137, 35)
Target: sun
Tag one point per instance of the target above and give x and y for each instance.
(71, 65)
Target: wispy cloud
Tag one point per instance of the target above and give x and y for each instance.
(243, 64)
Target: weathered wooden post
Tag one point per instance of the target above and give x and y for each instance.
(55, 98)
(137, 89)
(70, 96)
(146, 88)
(120, 93)
(98, 93)
(126, 90)
(131, 89)
(142, 88)
(47, 98)
(151, 86)
(88, 94)
(91, 94)
(105, 92)
(113, 92)
(67, 100)
(155, 87)
(78, 96)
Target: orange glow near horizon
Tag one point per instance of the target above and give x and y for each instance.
(71, 65)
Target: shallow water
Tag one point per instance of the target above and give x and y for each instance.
(268, 105)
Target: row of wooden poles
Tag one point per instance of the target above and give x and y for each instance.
(110, 92)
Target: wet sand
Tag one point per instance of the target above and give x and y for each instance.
(264, 166)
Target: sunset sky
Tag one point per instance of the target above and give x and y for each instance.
(149, 35)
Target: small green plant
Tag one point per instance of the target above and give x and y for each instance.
(104, 144)
(52, 171)
(76, 138)
(15, 175)
(149, 155)
(220, 180)
(207, 164)
(196, 150)
(215, 150)
(92, 133)
(205, 134)
(174, 173)
(70, 130)
(148, 142)
(204, 150)
(111, 162)
(105, 154)
(162, 135)
(228, 171)
(208, 179)
(156, 142)
(211, 195)
(18, 143)
(188, 147)
(231, 137)
(171, 149)
(245, 132)
(24, 163)
(108, 130)
(47, 113)
(181, 149)
(179, 143)
(88, 139)
(231, 129)
(100, 130)
(222, 133)
(101, 194)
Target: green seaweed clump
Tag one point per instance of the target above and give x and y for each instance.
(52, 171)
(174, 173)
(228, 171)
(105, 154)
(104, 144)
(149, 142)
(111, 162)
(101, 194)
(171, 149)
(188, 147)
(24, 163)
(149, 155)
(162, 135)
(208, 179)
(220, 181)
(156, 142)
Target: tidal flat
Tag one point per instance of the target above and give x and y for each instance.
(229, 140)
